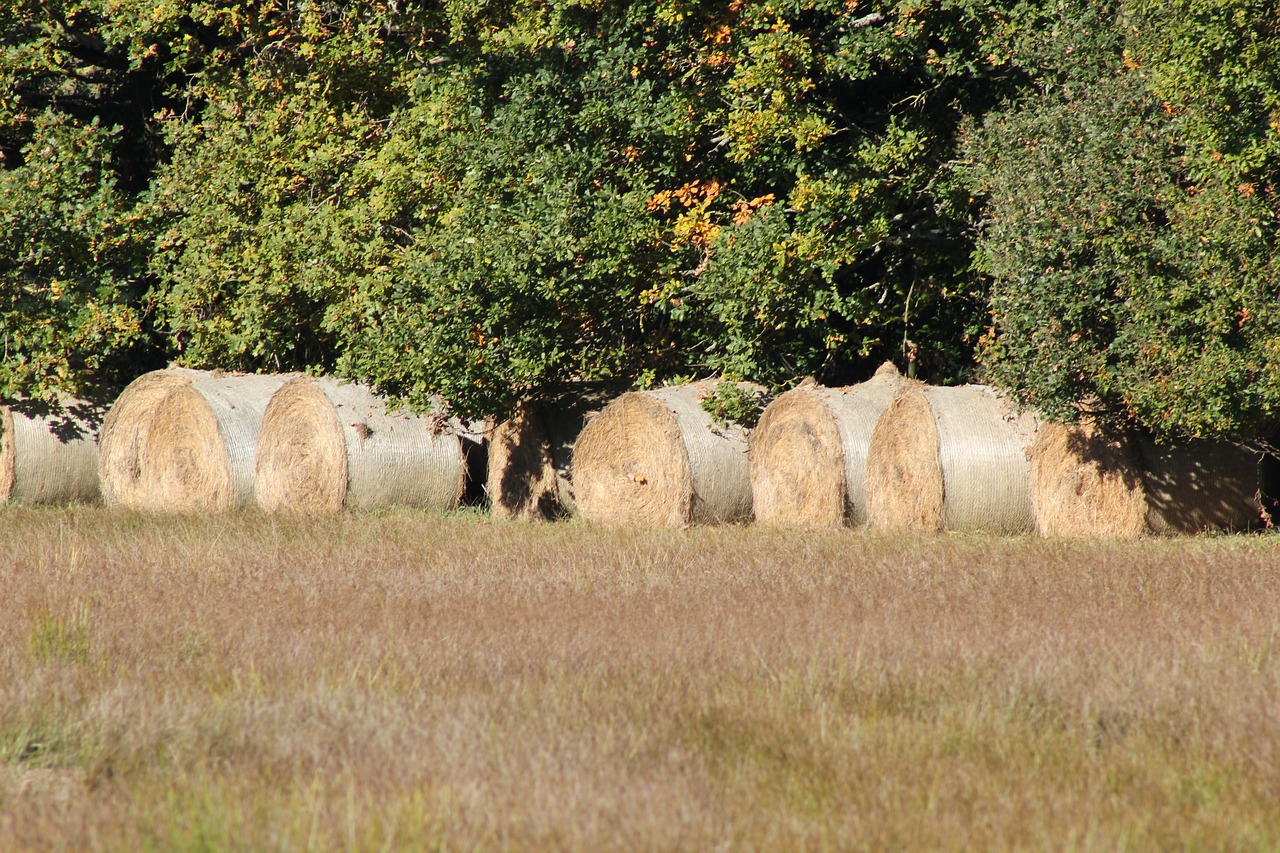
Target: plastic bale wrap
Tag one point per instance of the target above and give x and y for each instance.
(49, 458)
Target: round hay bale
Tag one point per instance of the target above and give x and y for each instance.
(657, 458)
(809, 453)
(950, 459)
(1202, 486)
(48, 458)
(125, 430)
(326, 445)
(200, 452)
(1086, 484)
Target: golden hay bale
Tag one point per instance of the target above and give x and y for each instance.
(530, 474)
(326, 445)
(48, 458)
(657, 458)
(125, 430)
(200, 452)
(950, 459)
(1086, 483)
(1202, 486)
(904, 468)
(809, 453)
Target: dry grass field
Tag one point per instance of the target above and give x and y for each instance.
(448, 682)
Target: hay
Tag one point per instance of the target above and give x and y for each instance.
(656, 458)
(1086, 484)
(48, 458)
(125, 431)
(950, 459)
(1202, 486)
(904, 468)
(200, 452)
(809, 454)
(325, 445)
(530, 474)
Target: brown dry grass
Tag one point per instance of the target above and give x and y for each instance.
(402, 681)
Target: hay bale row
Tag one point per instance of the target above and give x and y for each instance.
(963, 459)
(187, 441)
(657, 458)
(48, 458)
(890, 453)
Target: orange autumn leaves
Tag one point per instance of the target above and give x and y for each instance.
(697, 225)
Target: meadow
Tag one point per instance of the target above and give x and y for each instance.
(448, 682)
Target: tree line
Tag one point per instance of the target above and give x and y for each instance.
(1075, 200)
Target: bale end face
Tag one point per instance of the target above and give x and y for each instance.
(904, 467)
(631, 465)
(7, 452)
(125, 432)
(185, 467)
(302, 455)
(797, 464)
(522, 480)
(1086, 484)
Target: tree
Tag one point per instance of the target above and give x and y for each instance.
(1132, 222)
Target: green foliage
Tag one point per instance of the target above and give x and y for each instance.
(835, 233)
(72, 245)
(658, 190)
(489, 201)
(736, 403)
(1132, 222)
(530, 240)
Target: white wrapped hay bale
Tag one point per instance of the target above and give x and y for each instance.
(326, 445)
(125, 431)
(950, 458)
(657, 458)
(1090, 485)
(48, 458)
(809, 453)
(201, 449)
